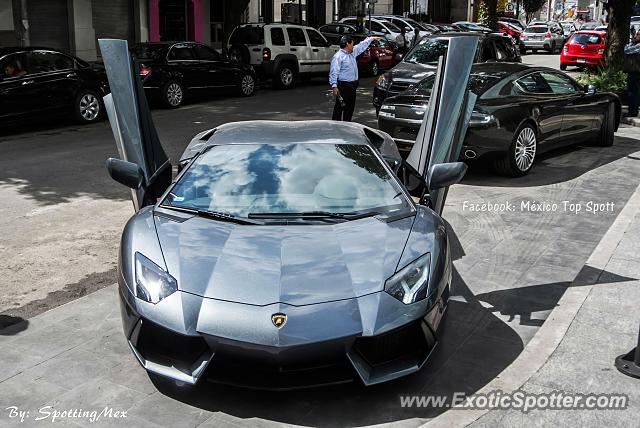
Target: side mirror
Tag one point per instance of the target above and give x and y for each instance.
(445, 174)
(398, 57)
(589, 89)
(126, 173)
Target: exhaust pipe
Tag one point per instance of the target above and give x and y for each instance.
(470, 154)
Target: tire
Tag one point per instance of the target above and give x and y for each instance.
(607, 129)
(552, 50)
(512, 164)
(239, 53)
(172, 94)
(247, 85)
(563, 67)
(87, 107)
(285, 76)
(535, 51)
(374, 69)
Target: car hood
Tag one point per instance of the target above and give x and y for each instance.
(411, 72)
(297, 264)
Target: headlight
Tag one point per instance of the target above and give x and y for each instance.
(410, 284)
(482, 119)
(382, 82)
(152, 283)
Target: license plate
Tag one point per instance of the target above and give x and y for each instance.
(580, 60)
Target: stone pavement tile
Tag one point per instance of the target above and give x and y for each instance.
(547, 417)
(561, 252)
(48, 341)
(44, 420)
(624, 266)
(584, 360)
(27, 393)
(15, 361)
(167, 412)
(617, 298)
(220, 419)
(484, 278)
(96, 395)
(540, 274)
(130, 373)
(110, 345)
(490, 353)
(524, 326)
(70, 369)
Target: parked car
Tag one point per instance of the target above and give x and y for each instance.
(285, 254)
(446, 28)
(592, 25)
(547, 36)
(472, 26)
(603, 28)
(380, 55)
(281, 52)
(513, 21)
(423, 59)
(568, 27)
(409, 24)
(584, 48)
(390, 30)
(521, 111)
(333, 32)
(512, 31)
(41, 81)
(172, 70)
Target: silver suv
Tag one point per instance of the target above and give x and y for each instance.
(281, 52)
(548, 36)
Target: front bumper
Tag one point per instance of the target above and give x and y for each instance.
(374, 338)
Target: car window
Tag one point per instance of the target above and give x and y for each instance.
(479, 82)
(347, 29)
(277, 37)
(532, 83)
(239, 179)
(205, 53)
(536, 29)
(316, 38)
(428, 51)
(14, 65)
(383, 43)
(247, 35)
(44, 61)
(375, 26)
(296, 37)
(586, 39)
(560, 84)
(391, 26)
(502, 50)
(181, 53)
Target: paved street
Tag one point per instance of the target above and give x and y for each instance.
(63, 220)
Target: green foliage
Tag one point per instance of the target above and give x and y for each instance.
(605, 80)
(483, 13)
(532, 6)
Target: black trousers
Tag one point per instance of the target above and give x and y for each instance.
(633, 86)
(348, 93)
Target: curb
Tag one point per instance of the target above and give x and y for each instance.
(546, 340)
(633, 121)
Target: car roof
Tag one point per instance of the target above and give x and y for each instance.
(12, 49)
(290, 132)
(449, 34)
(596, 32)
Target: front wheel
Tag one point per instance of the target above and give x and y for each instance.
(607, 129)
(172, 94)
(375, 68)
(87, 107)
(247, 85)
(518, 160)
(563, 67)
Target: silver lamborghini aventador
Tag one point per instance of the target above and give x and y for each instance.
(286, 254)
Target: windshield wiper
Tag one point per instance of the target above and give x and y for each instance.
(314, 215)
(213, 215)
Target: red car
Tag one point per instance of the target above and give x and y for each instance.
(514, 32)
(380, 55)
(584, 48)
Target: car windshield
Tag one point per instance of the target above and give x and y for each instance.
(479, 82)
(253, 179)
(148, 51)
(537, 29)
(586, 39)
(428, 51)
(247, 35)
(391, 26)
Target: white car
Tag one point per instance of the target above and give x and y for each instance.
(389, 29)
(409, 24)
(281, 51)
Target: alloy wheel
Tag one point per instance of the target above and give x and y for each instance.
(89, 107)
(174, 94)
(525, 150)
(247, 84)
(286, 76)
(374, 68)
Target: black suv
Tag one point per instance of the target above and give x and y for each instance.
(423, 58)
(37, 81)
(169, 70)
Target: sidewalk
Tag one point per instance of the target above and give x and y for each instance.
(595, 321)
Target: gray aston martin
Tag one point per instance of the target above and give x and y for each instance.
(285, 254)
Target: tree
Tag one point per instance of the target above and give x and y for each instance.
(488, 14)
(531, 7)
(619, 32)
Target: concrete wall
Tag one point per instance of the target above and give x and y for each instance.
(460, 10)
(82, 32)
(7, 33)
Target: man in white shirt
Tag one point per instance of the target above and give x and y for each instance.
(343, 76)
